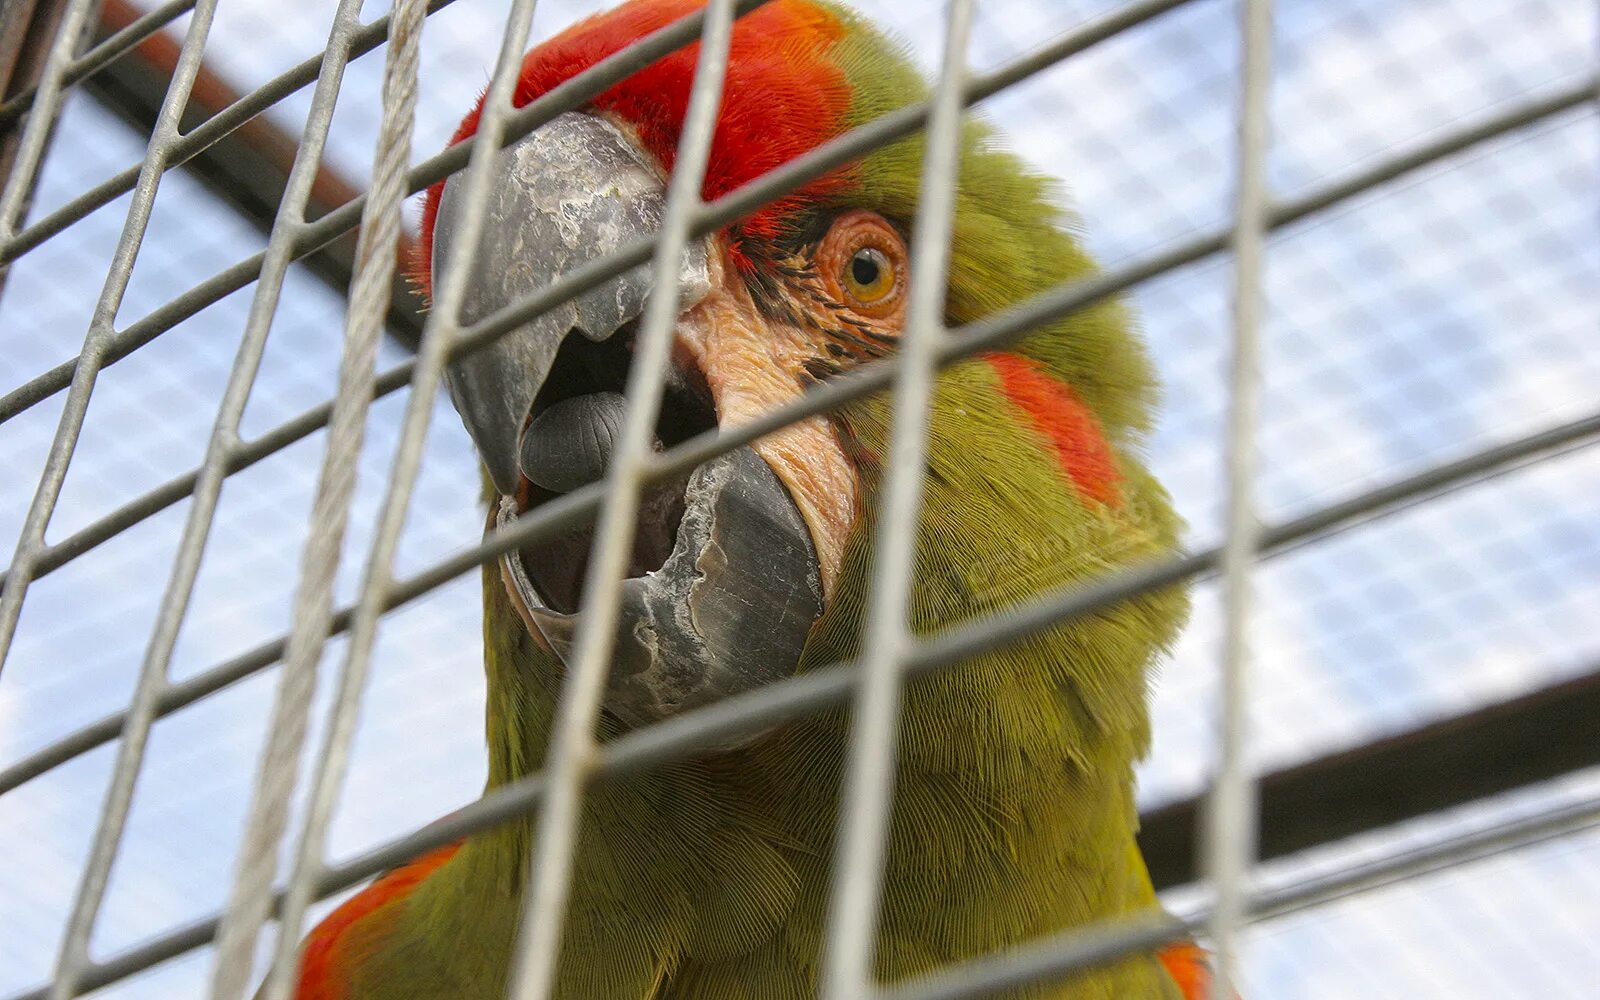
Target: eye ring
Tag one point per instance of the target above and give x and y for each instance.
(863, 263)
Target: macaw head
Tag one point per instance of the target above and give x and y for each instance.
(755, 565)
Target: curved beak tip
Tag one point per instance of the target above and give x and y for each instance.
(728, 598)
(730, 609)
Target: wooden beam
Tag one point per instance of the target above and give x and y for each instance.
(1494, 749)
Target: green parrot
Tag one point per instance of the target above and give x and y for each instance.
(707, 878)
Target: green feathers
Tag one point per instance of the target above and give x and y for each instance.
(1014, 812)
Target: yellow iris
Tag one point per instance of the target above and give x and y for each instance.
(869, 276)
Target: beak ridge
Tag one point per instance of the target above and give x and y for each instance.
(574, 190)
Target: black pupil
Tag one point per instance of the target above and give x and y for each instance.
(864, 267)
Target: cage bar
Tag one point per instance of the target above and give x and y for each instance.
(891, 655)
(1229, 847)
(861, 851)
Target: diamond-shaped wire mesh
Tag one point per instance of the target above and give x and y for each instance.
(1430, 317)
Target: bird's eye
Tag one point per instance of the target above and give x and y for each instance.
(863, 263)
(869, 276)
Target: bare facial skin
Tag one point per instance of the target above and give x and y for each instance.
(838, 302)
(753, 364)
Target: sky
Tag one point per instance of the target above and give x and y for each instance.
(1447, 311)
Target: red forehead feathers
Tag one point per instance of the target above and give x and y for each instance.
(781, 98)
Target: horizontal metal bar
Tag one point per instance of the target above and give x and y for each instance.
(570, 94)
(252, 104)
(1045, 308)
(684, 735)
(137, 28)
(316, 235)
(249, 167)
(989, 333)
(1541, 827)
(1056, 958)
(574, 507)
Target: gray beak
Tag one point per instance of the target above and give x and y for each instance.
(723, 584)
(571, 191)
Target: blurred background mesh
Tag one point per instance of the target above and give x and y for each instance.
(1423, 320)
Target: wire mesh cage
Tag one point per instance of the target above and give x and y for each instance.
(1360, 241)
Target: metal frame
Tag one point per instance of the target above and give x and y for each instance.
(891, 654)
(29, 59)
(1230, 843)
(248, 167)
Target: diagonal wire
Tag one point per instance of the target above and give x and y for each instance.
(868, 793)
(251, 897)
(759, 192)
(1039, 961)
(1053, 959)
(440, 328)
(14, 195)
(988, 334)
(201, 137)
(863, 139)
(36, 134)
(330, 227)
(169, 619)
(747, 714)
(571, 754)
(1229, 846)
(101, 56)
(744, 715)
(91, 888)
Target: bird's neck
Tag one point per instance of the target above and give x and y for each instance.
(988, 850)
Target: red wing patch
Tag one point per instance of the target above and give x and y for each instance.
(1190, 967)
(319, 958)
(1056, 412)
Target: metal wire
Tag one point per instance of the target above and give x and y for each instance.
(91, 890)
(440, 328)
(251, 897)
(202, 137)
(99, 57)
(983, 335)
(50, 91)
(186, 564)
(730, 207)
(683, 735)
(868, 793)
(891, 653)
(742, 201)
(572, 93)
(568, 95)
(1228, 850)
(571, 751)
(1056, 958)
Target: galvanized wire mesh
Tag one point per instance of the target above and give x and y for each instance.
(1428, 292)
